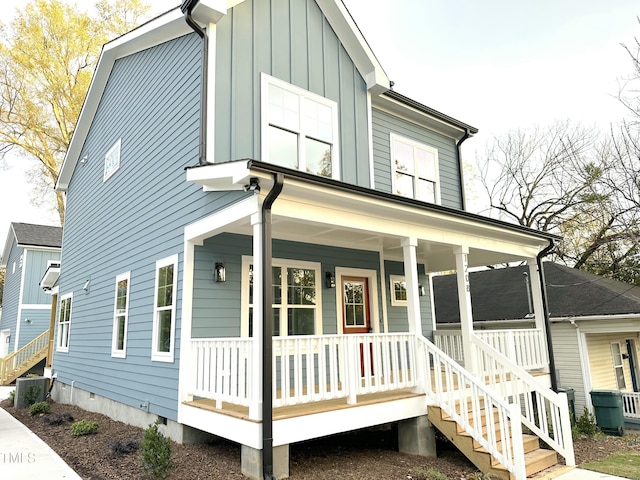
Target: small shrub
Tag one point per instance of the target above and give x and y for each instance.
(84, 427)
(57, 419)
(40, 407)
(12, 396)
(31, 394)
(31, 375)
(479, 476)
(428, 474)
(586, 425)
(124, 447)
(156, 452)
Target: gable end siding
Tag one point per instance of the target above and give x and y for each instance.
(290, 40)
(11, 294)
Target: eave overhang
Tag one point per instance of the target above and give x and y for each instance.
(50, 277)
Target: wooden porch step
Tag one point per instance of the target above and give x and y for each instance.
(536, 459)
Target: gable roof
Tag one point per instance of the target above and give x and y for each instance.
(501, 294)
(31, 235)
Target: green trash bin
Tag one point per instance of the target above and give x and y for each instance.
(571, 400)
(607, 405)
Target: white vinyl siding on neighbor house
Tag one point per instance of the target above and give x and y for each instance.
(604, 372)
(296, 289)
(64, 322)
(164, 312)
(299, 129)
(112, 161)
(120, 316)
(414, 169)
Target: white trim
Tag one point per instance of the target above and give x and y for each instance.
(392, 291)
(59, 347)
(35, 306)
(372, 170)
(5, 339)
(20, 297)
(266, 81)
(383, 292)
(111, 167)
(156, 355)
(583, 351)
(619, 365)
(247, 260)
(394, 137)
(374, 309)
(115, 352)
(185, 371)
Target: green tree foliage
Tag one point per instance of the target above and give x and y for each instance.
(47, 56)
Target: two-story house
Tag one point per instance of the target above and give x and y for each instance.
(25, 323)
(253, 215)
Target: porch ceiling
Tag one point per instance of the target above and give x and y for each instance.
(317, 212)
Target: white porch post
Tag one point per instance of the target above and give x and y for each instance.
(409, 246)
(255, 400)
(538, 307)
(464, 302)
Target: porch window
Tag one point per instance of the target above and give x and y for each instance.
(414, 169)
(120, 316)
(618, 367)
(296, 298)
(64, 322)
(165, 309)
(299, 128)
(398, 290)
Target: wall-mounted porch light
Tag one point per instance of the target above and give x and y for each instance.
(85, 287)
(330, 280)
(219, 272)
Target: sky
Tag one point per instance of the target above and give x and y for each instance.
(493, 64)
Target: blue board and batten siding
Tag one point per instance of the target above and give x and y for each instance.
(384, 124)
(292, 41)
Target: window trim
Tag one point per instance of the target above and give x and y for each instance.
(267, 80)
(620, 366)
(393, 137)
(156, 355)
(59, 324)
(247, 260)
(114, 168)
(395, 302)
(115, 352)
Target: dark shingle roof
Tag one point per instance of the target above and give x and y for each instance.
(28, 234)
(501, 294)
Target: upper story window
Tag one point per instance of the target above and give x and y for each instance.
(64, 322)
(299, 129)
(415, 170)
(112, 160)
(164, 315)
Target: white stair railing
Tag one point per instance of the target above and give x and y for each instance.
(468, 401)
(544, 412)
(631, 404)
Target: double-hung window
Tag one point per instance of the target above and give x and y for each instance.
(64, 323)
(112, 160)
(299, 129)
(618, 367)
(164, 315)
(120, 316)
(296, 297)
(414, 169)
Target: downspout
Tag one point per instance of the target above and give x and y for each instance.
(187, 8)
(545, 310)
(267, 329)
(466, 135)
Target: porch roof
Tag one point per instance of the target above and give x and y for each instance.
(324, 211)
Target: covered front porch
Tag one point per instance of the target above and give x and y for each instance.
(354, 349)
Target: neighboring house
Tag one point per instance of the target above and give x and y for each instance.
(29, 250)
(595, 324)
(280, 299)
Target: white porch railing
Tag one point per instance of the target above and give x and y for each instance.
(307, 368)
(544, 412)
(467, 400)
(525, 347)
(631, 404)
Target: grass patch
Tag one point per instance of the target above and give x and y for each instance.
(622, 464)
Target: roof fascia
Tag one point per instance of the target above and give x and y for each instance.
(355, 44)
(167, 27)
(7, 246)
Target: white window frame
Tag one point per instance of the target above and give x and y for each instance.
(394, 137)
(267, 80)
(115, 351)
(157, 355)
(247, 261)
(395, 302)
(62, 342)
(618, 366)
(112, 160)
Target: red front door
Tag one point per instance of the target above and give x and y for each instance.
(356, 317)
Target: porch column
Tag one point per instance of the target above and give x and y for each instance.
(255, 400)
(538, 306)
(464, 302)
(409, 246)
